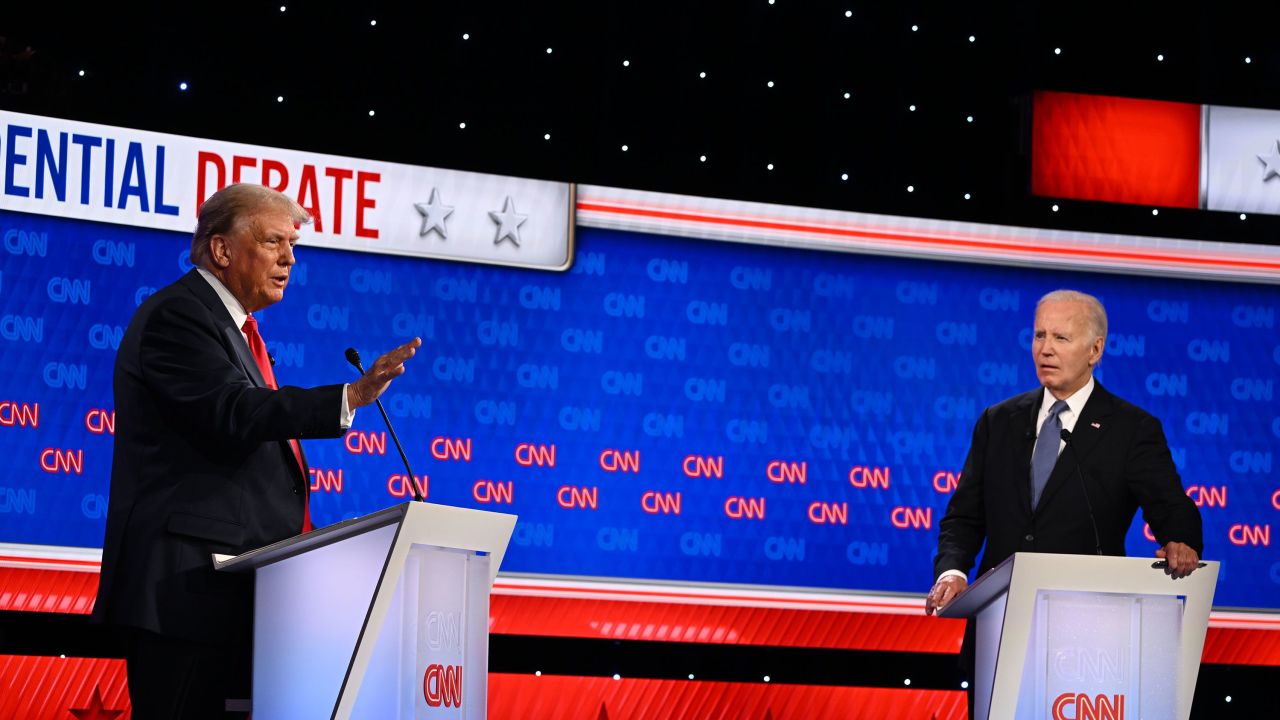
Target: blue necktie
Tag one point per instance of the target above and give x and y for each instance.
(1046, 452)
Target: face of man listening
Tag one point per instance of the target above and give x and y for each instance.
(1064, 347)
(255, 258)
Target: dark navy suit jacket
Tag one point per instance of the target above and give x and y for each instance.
(201, 465)
(1125, 461)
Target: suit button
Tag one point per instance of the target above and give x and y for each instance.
(1029, 537)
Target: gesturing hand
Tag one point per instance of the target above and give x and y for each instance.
(374, 382)
(943, 592)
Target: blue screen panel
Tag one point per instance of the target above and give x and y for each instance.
(670, 409)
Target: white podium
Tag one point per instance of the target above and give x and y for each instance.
(382, 616)
(1086, 636)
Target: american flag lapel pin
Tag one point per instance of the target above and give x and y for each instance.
(1096, 426)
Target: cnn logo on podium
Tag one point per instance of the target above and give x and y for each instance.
(1078, 706)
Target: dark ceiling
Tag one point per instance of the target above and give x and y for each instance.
(628, 73)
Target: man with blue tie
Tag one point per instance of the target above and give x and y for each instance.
(1021, 491)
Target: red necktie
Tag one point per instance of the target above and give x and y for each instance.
(260, 357)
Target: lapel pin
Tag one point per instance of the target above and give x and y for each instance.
(1095, 426)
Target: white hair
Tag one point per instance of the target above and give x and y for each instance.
(1096, 314)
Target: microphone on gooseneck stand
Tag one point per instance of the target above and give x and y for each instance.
(1066, 437)
(353, 357)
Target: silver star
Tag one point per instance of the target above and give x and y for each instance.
(1271, 163)
(509, 222)
(434, 214)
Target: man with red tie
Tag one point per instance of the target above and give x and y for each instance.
(207, 458)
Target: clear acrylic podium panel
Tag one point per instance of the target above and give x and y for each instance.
(1067, 636)
(1118, 651)
(430, 660)
(430, 623)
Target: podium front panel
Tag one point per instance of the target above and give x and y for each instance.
(1105, 655)
(430, 657)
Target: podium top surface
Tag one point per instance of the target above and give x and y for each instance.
(315, 539)
(1087, 573)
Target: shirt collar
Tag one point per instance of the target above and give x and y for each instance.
(236, 310)
(1075, 403)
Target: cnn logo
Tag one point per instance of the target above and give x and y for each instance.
(1082, 707)
(442, 685)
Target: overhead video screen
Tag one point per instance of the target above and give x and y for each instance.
(670, 409)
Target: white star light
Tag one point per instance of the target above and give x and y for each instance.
(1271, 163)
(509, 222)
(434, 214)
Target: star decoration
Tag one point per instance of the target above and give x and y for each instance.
(95, 710)
(434, 214)
(1271, 163)
(509, 222)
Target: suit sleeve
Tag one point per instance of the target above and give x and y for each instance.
(185, 364)
(1154, 481)
(963, 528)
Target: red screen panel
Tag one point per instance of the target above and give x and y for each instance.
(1093, 147)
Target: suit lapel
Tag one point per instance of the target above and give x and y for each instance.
(230, 333)
(1089, 429)
(1022, 424)
(247, 362)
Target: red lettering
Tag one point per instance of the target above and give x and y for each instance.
(443, 448)
(1099, 707)
(787, 472)
(862, 476)
(1146, 532)
(364, 443)
(20, 414)
(825, 513)
(53, 460)
(699, 466)
(446, 688)
(276, 167)
(1211, 496)
(654, 503)
(326, 480)
(364, 202)
(528, 455)
(569, 497)
(309, 196)
(238, 162)
(741, 508)
(339, 176)
(487, 491)
(1241, 534)
(627, 461)
(398, 485)
(916, 518)
(1275, 499)
(100, 421)
(943, 481)
(203, 160)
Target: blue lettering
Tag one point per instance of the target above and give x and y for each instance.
(134, 183)
(57, 168)
(13, 160)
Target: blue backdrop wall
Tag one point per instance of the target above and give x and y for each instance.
(670, 409)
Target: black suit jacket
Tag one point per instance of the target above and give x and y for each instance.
(1126, 464)
(201, 465)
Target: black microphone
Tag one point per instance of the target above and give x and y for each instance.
(1066, 437)
(353, 357)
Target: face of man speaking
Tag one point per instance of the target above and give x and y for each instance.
(255, 258)
(1064, 348)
